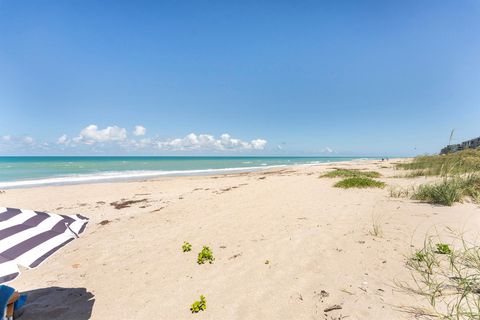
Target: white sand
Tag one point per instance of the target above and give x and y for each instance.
(314, 236)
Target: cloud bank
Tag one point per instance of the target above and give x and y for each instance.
(117, 139)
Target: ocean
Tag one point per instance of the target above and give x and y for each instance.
(36, 171)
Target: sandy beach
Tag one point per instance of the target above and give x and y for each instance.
(287, 245)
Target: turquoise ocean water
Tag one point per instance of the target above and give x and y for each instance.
(34, 171)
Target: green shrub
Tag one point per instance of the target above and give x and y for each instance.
(348, 173)
(205, 255)
(199, 305)
(419, 256)
(443, 248)
(445, 193)
(186, 247)
(450, 190)
(359, 182)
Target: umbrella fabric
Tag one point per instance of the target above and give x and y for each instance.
(29, 237)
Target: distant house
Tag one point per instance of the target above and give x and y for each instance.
(469, 144)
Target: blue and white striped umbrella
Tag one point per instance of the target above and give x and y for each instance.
(29, 237)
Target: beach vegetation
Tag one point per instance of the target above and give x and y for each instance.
(398, 192)
(376, 230)
(205, 255)
(348, 173)
(443, 248)
(446, 279)
(200, 305)
(450, 190)
(465, 161)
(359, 182)
(186, 247)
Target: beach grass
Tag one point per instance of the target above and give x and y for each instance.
(450, 190)
(466, 161)
(446, 277)
(401, 192)
(348, 173)
(359, 182)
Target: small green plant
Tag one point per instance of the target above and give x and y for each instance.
(419, 256)
(348, 173)
(186, 247)
(205, 255)
(198, 306)
(359, 182)
(443, 248)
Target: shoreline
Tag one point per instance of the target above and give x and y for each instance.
(139, 175)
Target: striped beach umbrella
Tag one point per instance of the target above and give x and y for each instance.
(29, 237)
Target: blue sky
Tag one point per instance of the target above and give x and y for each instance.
(245, 77)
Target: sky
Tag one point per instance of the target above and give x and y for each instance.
(353, 78)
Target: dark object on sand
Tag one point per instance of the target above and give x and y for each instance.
(125, 203)
(331, 308)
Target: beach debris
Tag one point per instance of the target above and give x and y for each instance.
(76, 265)
(104, 222)
(347, 292)
(186, 247)
(205, 255)
(331, 308)
(223, 247)
(125, 203)
(198, 306)
(101, 202)
(235, 256)
(262, 178)
(321, 295)
(267, 261)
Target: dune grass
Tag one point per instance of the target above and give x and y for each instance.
(401, 192)
(359, 182)
(447, 278)
(348, 173)
(466, 161)
(450, 190)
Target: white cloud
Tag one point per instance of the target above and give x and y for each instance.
(259, 144)
(115, 139)
(193, 141)
(139, 131)
(327, 150)
(63, 140)
(92, 134)
(28, 140)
